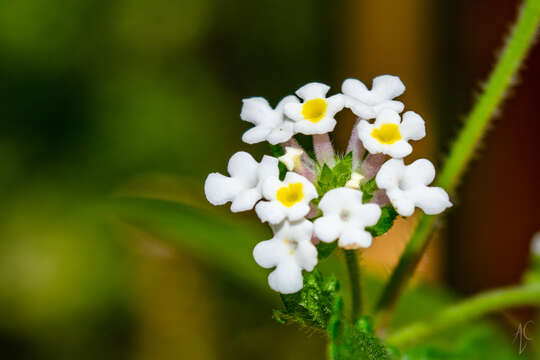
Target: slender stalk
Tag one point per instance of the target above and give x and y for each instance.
(354, 278)
(499, 81)
(467, 310)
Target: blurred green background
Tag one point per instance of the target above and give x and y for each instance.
(102, 99)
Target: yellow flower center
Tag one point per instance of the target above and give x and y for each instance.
(387, 134)
(314, 110)
(290, 195)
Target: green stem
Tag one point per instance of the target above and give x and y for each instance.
(467, 310)
(477, 121)
(354, 277)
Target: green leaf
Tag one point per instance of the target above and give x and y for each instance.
(324, 250)
(282, 171)
(342, 170)
(349, 341)
(331, 178)
(388, 215)
(277, 150)
(368, 189)
(325, 181)
(311, 306)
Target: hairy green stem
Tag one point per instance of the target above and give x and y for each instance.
(500, 80)
(467, 310)
(354, 276)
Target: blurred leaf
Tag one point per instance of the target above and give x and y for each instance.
(473, 342)
(215, 239)
(324, 250)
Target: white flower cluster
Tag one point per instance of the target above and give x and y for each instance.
(298, 215)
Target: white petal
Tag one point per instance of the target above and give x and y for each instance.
(294, 111)
(336, 199)
(328, 228)
(256, 110)
(306, 127)
(220, 189)
(246, 200)
(243, 166)
(270, 186)
(306, 255)
(310, 191)
(398, 150)
(269, 253)
(432, 200)
(281, 133)
(535, 244)
(256, 134)
(297, 211)
(403, 204)
(312, 91)
(384, 87)
(292, 156)
(364, 129)
(413, 126)
(394, 105)
(387, 116)
(387, 86)
(420, 172)
(368, 214)
(354, 88)
(268, 168)
(335, 104)
(353, 238)
(270, 211)
(286, 100)
(354, 181)
(287, 278)
(360, 109)
(390, 173)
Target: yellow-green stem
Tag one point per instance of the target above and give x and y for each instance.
(476, 123)
(354, 278)
(467, 310)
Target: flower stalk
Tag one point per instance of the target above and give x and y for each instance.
(353, 269)
(467, 310)
(476, 124)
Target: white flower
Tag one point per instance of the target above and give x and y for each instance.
(406, 187)
(535, 244)
(292, 156)
(316, 114)
(270, 124)
(368, 103)
(244, 187)
(288, 199)
(345, 217)
(354, 181)
(389, 135)
(290, 251)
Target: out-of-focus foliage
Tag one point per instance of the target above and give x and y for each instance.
(94, 94)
